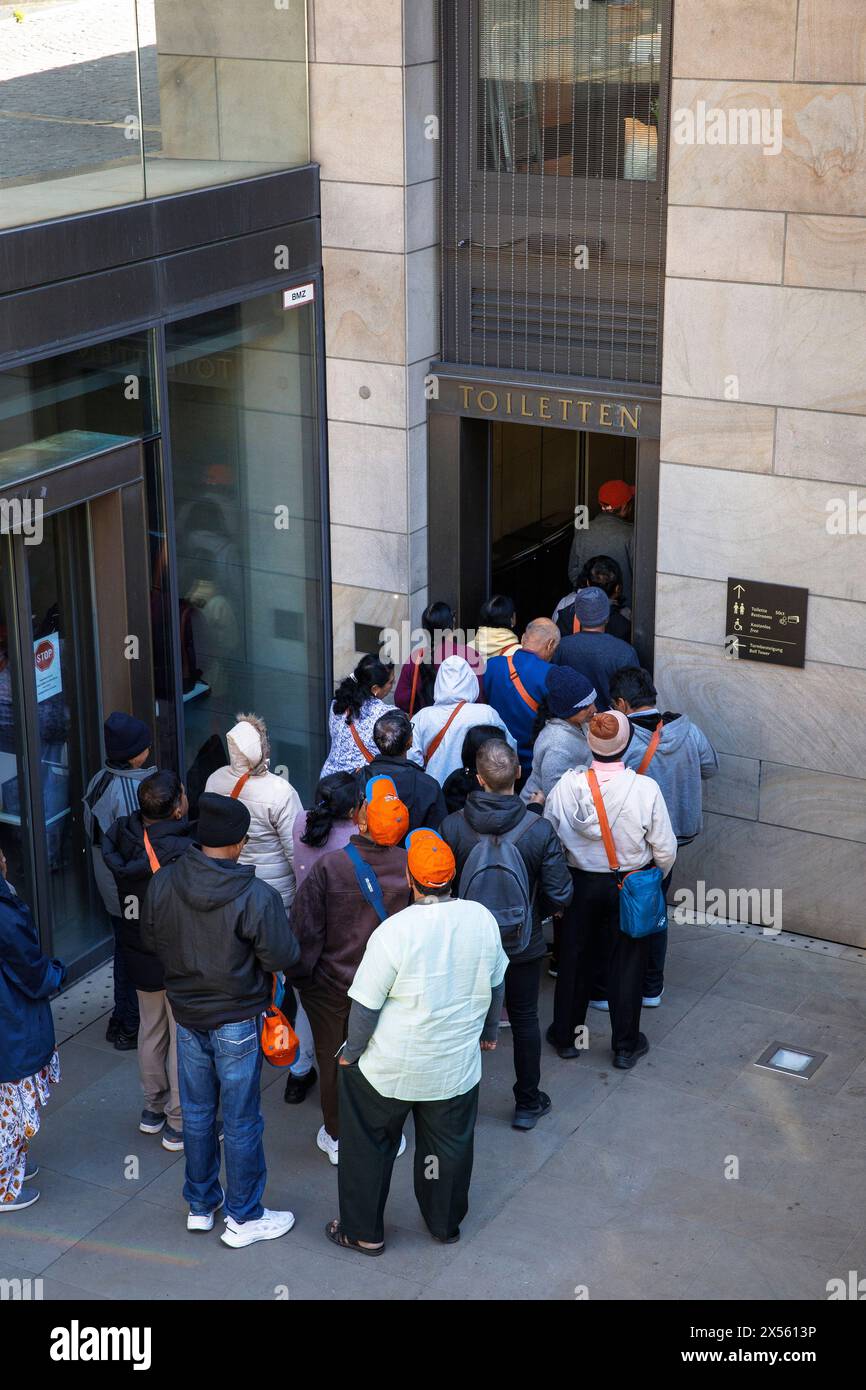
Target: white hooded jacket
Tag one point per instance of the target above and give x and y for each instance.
(455, 681)
(639, 820)
(272, 803)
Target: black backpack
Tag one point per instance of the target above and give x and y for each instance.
(495, 875)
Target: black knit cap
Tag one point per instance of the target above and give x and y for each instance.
(222, 820)
(125, 737)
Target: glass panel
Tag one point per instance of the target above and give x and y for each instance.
(15, 819)
(165, 720)
(224, 90)
(570, 91)
(69, 407)
(245, 468)
(70, 135)
(68, 728)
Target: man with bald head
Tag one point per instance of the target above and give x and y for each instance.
(515, 685)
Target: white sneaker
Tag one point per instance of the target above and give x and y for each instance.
(329, 1146)
(600, 1004)
(652, 1001)
(402, 1148)
(270, 1225)
(205, 1222)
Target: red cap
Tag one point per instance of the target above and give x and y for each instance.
(615, 493)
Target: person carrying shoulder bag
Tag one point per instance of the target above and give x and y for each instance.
(594, 943)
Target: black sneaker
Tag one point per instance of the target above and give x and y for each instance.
(298, 1086)
(126, 1042)
(553, 968)
(624, 1061)
(528, 1119)
(566, 1053)
(112, 1030)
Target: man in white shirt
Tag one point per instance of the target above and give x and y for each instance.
(426, 994)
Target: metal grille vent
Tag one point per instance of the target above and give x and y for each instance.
(553, 198)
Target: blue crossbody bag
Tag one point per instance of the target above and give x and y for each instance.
(368, 883)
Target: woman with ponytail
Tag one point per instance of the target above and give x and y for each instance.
(328, 824)
(358, 703)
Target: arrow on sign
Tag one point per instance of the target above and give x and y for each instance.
(738, 589)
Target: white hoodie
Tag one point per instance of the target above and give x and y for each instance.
(455, 681)
(272, 803)
(639, 820)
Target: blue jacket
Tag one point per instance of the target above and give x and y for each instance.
(501, 693)
(27, 979)
(684, 758)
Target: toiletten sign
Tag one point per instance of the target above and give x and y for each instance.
(525, 404)
(766, 622)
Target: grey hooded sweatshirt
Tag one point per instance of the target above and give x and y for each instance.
(683, 758)
(559, 746)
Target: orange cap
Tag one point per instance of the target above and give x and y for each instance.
(387, 817)
(431, 862)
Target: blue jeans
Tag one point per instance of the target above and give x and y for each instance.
(224, 1063)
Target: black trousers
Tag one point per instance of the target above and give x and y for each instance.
(522, 984)
(592, 947)
(654, 974)
(370, 1128)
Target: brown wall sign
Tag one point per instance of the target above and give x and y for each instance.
(766, 622)
(523, 402)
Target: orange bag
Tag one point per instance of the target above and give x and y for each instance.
(279, 1040)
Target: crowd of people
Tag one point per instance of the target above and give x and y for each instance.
(499, 812)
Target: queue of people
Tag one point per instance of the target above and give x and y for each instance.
(510, 802)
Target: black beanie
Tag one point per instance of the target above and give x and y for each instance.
(222, 820)
(125, 737)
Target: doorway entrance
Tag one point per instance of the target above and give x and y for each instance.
(74, 644)
(542, 481)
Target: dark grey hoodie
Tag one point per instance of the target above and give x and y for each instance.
(221, 934)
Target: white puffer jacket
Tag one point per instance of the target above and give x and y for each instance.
(272, 803)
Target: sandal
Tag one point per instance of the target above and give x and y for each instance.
(333, 1232)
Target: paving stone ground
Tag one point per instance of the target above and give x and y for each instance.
(622, 1189)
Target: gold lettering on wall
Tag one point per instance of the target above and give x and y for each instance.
(533, 405)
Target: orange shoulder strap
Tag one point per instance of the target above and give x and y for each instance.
(152, 860)
(519, 686)
(432, 746)
(651, 747)
(604, 823)
(362, 747)
(239, 786)
(575, 626)
(415, 675)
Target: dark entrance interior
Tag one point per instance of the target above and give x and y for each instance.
(539, 475)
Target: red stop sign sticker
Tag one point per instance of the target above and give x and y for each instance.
(44, 655)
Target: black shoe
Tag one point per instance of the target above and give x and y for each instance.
(112, 1030)
(298, 1086)
(126, 1042)
(528, 1119)
(566, 1053)
(553, 968)
(624, 1061)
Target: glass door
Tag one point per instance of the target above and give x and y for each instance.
(74, 645)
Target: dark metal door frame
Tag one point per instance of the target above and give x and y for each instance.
(60, 490)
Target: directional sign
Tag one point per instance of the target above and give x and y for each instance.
(766, 622)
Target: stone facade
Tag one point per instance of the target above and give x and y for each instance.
(763, 430)
(373, 83)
